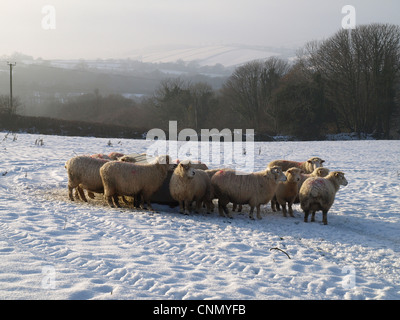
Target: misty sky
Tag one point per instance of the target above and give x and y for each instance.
(93, 29)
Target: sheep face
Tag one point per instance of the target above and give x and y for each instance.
(339, 176)
(186, 169)
(127, 159)
(293, 175)
(166, 160)
(277, 173)
(321, 172)
(316, 162)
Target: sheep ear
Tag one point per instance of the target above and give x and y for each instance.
(309, 161)
(322, 161)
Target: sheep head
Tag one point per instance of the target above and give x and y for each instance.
(339, 176)
(321, 172)
(166, 160)
(276, 173)
(185, 169)
(293, 174)
(316, 162)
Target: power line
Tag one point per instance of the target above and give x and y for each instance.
(11, 99)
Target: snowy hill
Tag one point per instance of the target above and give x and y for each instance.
(52, 248)
(209, 55)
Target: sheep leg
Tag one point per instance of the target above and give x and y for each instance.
(220, 210)
(251, 213)
(227, 213)
(149, 207)
(234, 206)
(90, 194)
(273, 204)
(208, 204)
(313, 216)
(110, 202)
(139, 201)
(290, 209)
(181, 209)
(198, 206)
(116, 201)
(70, 195)
(211, 206)
(240, 208)
(259, 212)
(325, 217)
(81, 193)
(306, 213)
(125, 200)
(187, 207)
(284, 211)
(147, 198)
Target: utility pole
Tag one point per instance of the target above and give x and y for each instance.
(11, 98)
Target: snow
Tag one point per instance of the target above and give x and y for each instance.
(52, 248)
(206, 55)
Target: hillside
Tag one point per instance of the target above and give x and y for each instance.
(229, 56)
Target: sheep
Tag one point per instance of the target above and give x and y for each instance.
(83, 173)
(115, 155)
(254, 188)
(110, 156)
(188, 184)
(318, 172)
(287, 191)
(195, 164)
(100, 156)
(318, 193)
(307, 166)
(133, 158)
(210, 173)
(132, 179)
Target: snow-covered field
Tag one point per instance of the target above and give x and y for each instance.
(52, 248)
(206, 55)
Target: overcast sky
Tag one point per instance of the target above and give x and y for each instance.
(93, 29)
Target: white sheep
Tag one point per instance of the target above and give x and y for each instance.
(210, 173)
(318, 172)
(133, 158)
(287, 191)
(307, 166)
(318, 193)
(115, 155)
(194, 164)
(133, 179)
(188, 184)
(254, 189)
(83, 173)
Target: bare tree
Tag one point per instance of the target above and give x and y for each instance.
(187, 103)
(5, 105)
(249, 89)
(360, 68)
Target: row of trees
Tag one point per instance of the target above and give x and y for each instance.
(349, 82)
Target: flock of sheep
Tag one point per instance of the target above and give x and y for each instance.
(283, 182)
